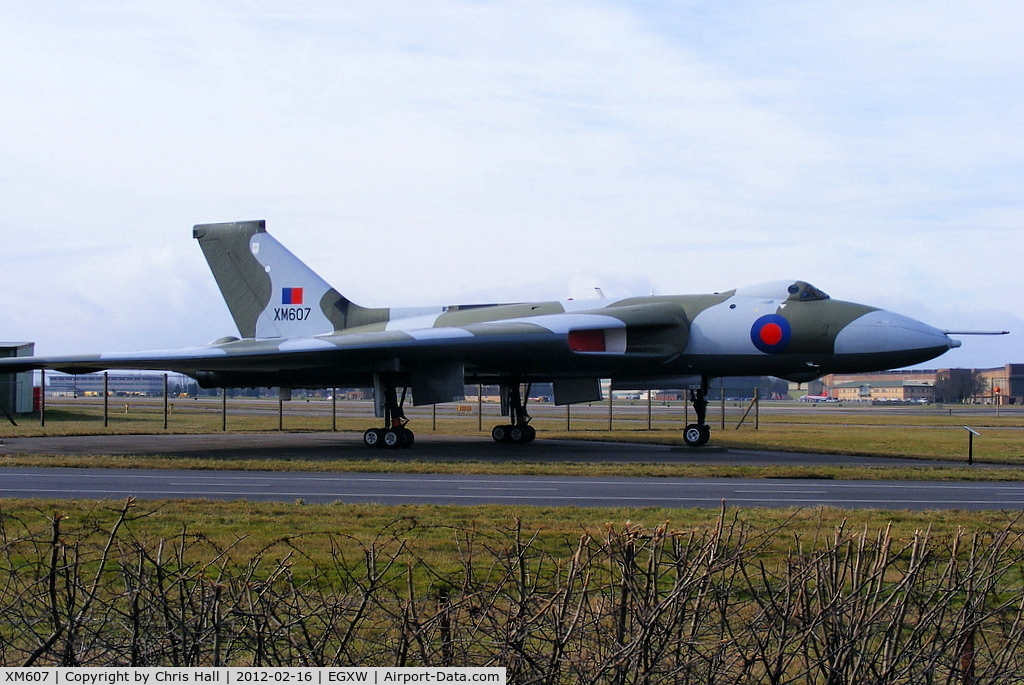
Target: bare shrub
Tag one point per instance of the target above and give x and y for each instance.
(623, 605)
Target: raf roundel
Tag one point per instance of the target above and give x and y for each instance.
(771, 333)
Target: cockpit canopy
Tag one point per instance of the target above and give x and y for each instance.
(793, 291)
(805, 292)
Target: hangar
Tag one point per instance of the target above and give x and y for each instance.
(16, 389)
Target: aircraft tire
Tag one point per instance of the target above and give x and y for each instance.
(529, 433)
(697, 434)
(501, 433)
(373, 437)
(395, 438)
(409, 438)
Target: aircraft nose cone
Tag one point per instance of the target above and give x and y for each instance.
(883, 332)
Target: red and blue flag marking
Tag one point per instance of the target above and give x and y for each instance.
(291, 295)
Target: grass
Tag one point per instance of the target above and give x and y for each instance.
(915, 433)
(249, 527)
(305, 538)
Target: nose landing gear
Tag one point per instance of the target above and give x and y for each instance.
(697, 434)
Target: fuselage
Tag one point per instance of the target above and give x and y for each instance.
(786, 329)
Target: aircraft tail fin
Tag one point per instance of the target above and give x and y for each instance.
(270, 292)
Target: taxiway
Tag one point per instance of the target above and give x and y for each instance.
(86, 483)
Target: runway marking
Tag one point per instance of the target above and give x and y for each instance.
(492, 488)
(783, 492)
(215, 483)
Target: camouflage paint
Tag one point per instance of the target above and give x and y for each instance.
(298, 331)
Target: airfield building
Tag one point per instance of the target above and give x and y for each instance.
(16, 388)
(885, 391)
(1002, 384)
(121, 384)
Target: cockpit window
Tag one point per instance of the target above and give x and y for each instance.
(793, 291)
(805, 292)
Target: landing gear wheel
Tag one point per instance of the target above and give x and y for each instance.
(398, 438)
(697, 434)
(519, 431)
(394, 434)
(393, 438)
(520, 435)
(502, 433)
(373, 437)
(529, 433)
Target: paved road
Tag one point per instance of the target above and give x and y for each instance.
(469, 490)
(63, 483)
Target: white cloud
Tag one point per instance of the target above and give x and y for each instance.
(416, 153)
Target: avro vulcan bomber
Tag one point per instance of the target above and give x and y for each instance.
(296, 331)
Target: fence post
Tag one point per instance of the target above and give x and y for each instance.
(721, 398)
(611, 402)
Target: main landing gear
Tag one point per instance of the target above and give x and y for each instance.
(697, 434)
(394, 434)
(519, 431)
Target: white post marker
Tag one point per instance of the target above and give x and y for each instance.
(970, 444)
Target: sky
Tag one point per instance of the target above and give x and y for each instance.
(448, 152)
